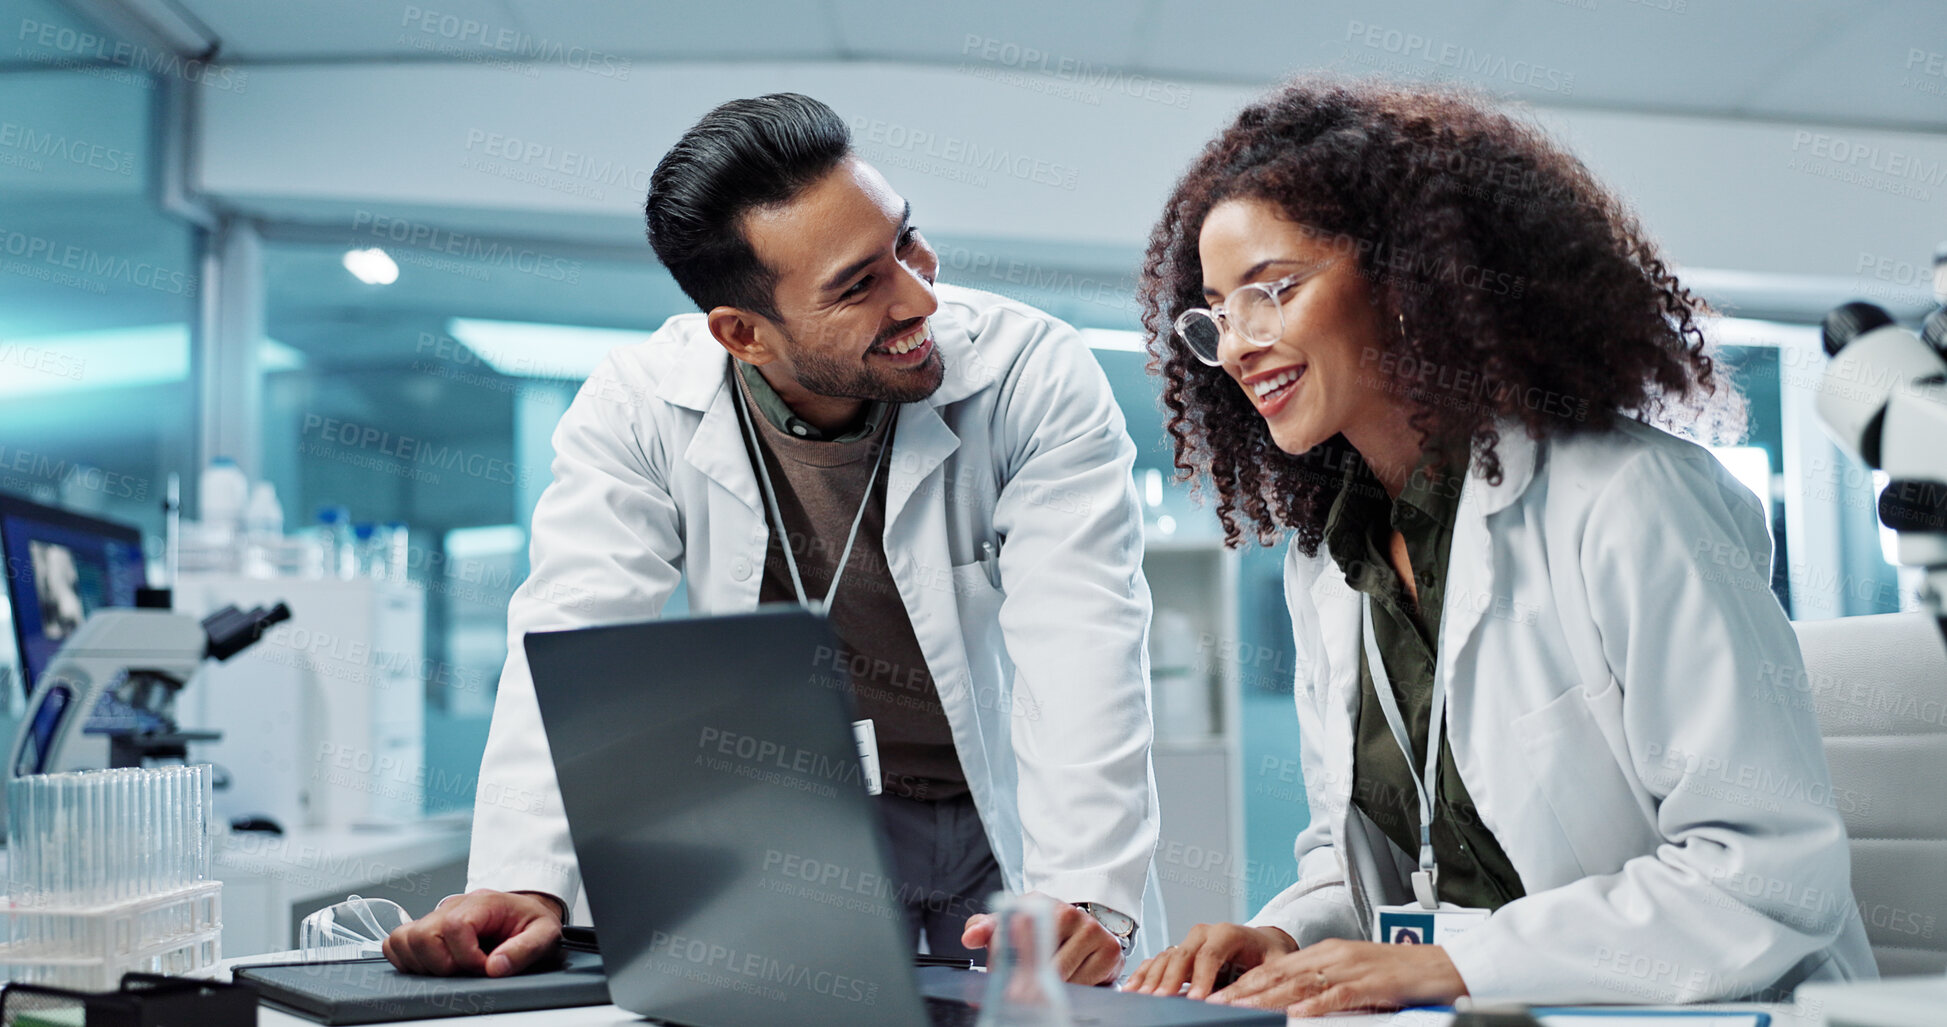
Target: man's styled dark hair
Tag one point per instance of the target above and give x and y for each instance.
(742, 155)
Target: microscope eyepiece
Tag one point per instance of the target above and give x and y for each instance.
(232, 631)
(1849, 321)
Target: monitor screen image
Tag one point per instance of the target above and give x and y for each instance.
(62, 566)
(59, 588)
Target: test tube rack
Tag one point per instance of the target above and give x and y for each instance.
(109, 873)
(176, 933)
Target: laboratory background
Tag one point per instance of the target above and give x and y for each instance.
(324, 276)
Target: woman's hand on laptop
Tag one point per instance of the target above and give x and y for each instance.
(1085, 951)
(1336, 975)
(481, 933)
(1209, 952)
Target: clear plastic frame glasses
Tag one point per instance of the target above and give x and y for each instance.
(1255, 312)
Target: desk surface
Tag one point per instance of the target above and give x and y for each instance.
(611, 1016)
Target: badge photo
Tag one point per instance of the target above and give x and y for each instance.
(1417, 925)
(1406, 928)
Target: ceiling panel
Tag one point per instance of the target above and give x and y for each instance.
(46, 33)
(1821, 60)
(1867, 64)
(544, 31)
(354, 29)
(1004, 37)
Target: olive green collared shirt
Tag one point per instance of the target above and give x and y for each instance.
(778, 412)
(1474, 871)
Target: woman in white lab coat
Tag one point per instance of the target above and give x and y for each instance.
(1416, 336)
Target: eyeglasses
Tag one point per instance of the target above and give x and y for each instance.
(1254, 311)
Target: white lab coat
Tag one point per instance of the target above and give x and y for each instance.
(1620, 708)
(1045, 680)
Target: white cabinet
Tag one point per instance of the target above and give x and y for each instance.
(272, 882)
(323, 719)
(1198, 755)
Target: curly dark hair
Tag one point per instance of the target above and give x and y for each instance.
(1525, 291)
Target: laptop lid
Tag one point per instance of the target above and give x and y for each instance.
(730, 853)
(736, 866)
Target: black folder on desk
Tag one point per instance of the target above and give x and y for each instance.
(357, 991)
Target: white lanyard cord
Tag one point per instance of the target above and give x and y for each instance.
(1425, 882)
(777, 517)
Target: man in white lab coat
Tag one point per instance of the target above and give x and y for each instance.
(949, 468)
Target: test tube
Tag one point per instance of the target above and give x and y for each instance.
(179, 826)
(186, 827)
(158, 838)
(193, 824)
(131, 786)
(68, 873)
(78, 849)
(151, 834)
(101, 785)
(49, 870)
(171, 847)
(65, 833)
(168, 844)
(206, 820)
(19, 815)
(98, 788)
(118, 829)
(36, 843)
(91, 841)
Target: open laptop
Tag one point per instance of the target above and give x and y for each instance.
(733, 861)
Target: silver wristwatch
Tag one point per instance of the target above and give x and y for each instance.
(1122, 925)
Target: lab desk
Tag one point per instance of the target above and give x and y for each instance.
(611, 1016)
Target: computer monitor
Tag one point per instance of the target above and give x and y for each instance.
(62, 566)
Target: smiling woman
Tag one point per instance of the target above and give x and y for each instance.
(1501, 281)
(1410, 332)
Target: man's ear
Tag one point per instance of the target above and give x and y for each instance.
(746, 335)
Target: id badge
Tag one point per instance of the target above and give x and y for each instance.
(1417, 925)
(868, 742)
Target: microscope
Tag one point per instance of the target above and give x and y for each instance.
(1884, 400)
(108, 697)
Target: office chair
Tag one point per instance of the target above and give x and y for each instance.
(1879, 685)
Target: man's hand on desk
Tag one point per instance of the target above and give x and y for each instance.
(490, 933)
(1085, 951)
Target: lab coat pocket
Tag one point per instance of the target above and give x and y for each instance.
(1577, 774)
(979, 603)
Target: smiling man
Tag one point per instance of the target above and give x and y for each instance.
(943, 470)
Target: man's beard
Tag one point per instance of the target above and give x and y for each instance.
(838, 379)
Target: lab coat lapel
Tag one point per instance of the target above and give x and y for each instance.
(1338, 619)
(1336, 606)
(1470, 578)
(924, 440)
(922, 443)
(717, 450)
(1470, 558)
